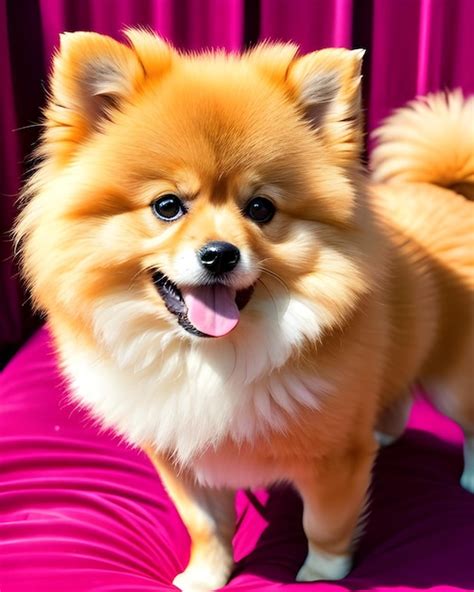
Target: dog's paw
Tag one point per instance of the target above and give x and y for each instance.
(384, 439)
(467, 480)
(323, 566)
(199, 579)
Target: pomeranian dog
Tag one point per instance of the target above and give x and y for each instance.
(227, 290)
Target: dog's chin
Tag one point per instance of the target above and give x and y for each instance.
(174, 301)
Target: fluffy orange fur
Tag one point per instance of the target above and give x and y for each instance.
(385, 270)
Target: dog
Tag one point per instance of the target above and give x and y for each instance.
(229, 289)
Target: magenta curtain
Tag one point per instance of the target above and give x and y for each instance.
(413, 47)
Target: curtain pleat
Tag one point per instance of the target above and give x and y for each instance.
(10, 320)
(418, 47)
(413, 47)
(312, 24)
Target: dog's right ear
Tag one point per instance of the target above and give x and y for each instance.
(326, 85)
(93, 77)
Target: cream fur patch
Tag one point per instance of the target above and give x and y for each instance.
(467, 479)
(323, 566)
(200, 578)
(384, 439)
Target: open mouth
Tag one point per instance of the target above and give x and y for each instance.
(211, 310)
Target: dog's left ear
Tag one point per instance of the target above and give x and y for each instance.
(326, 84)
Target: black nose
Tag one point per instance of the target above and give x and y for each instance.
(219, 257)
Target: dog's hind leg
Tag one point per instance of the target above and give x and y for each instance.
(467, 479)
(392, 421)
(453, 395)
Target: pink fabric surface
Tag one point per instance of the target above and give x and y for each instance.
(80, 511)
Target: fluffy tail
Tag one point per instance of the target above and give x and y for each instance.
(429, 141)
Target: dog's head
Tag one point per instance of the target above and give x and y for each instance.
(195, 196)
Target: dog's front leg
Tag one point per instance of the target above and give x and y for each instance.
(209, 516)
(334, 492)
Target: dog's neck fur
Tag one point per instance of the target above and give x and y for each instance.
(162, 389)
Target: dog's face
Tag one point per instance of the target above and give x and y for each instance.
(196, 196)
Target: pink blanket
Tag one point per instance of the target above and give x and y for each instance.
(80, 511)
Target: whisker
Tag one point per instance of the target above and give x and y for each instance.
(276, 277)
(31, 125)
(270, 294)
(234, 349)
(134, 278)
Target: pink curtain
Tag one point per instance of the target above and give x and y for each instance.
(413, 47)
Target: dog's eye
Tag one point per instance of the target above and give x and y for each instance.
(168, 207)
(260, 209)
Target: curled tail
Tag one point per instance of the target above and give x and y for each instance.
(431, 140)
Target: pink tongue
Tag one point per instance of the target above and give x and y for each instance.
(212, 309)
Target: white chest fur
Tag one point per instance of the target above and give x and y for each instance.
(185, 396)
(192, 409)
